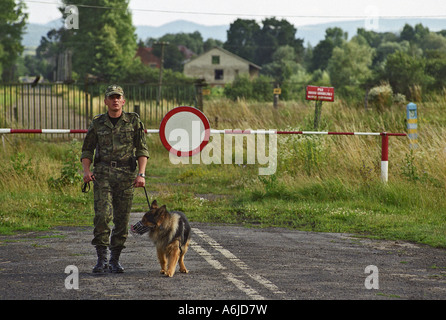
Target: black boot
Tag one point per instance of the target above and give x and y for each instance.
(114, 266)
(101, 265)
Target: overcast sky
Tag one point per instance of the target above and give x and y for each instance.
(218, 12)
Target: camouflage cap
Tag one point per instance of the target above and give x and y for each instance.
(113, 89)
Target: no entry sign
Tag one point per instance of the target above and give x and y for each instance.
(320, 93)
(184, 131)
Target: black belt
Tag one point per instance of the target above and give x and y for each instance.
(116, 164)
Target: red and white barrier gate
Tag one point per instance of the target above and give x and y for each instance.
(384, 141)
(384, 138)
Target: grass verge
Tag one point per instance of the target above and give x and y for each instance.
(322, 184)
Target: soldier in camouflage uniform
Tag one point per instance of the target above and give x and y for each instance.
(119, 140)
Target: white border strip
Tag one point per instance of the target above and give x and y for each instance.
(56, 131)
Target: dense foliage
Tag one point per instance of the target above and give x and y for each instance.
(12, 26)
(412, 62)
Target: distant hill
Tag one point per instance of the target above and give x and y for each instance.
(34, 32)
(215, 32)
(314, 33)
(310, 33)
(31, 39)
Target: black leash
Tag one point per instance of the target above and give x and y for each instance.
(147, 197)
(85, 187)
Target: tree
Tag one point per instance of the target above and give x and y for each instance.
(433, 41)
(105, 43)
(321, 55)
(408, 33)
(49, 47)
(284, 64)
(388, 47)
(350, 64)
(373, 38)
(276, 33)
(242, 38)
(107, 60)
(403, 72)
(418, 38)
(257, 44)
(192, 41)
(421, 33)
(173, 58)
(436, 68)
(211, 43)
(12, 26)
(334, 37)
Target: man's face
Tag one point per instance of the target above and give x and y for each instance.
(114, 102)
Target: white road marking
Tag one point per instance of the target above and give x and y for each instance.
(243, 286)
(240, 284)
(230, 256)
(206, 255)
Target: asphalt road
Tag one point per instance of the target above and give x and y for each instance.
(226, 263)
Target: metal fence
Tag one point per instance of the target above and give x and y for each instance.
(72, 106)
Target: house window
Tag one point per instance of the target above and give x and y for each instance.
(215, 59)
(218, 73)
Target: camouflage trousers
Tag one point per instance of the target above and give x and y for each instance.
(113, 196)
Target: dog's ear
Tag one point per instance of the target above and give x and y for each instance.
(154, 205)
(161, 215)
(161, 211)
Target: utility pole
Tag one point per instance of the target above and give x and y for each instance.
(160, 79)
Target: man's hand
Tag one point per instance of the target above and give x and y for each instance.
(139, 182)
(88, 176)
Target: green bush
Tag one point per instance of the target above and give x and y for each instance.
(240, 88)
(262, 89)
(70, 172)
(258, 89)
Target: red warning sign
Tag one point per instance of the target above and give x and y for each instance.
(320, 93)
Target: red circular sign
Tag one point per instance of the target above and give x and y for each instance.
(184, 131)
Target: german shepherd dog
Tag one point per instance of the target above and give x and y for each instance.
(170, 232)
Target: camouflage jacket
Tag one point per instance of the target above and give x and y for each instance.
(115, 143)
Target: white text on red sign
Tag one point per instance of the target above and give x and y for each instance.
(320, 93)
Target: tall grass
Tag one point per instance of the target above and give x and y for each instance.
(332, 183)
(37, 191)
(348, 157)
(322, 183)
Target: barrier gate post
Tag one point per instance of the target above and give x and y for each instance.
(385, 157)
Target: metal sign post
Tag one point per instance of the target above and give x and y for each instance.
(319, 94)
(412, 124)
